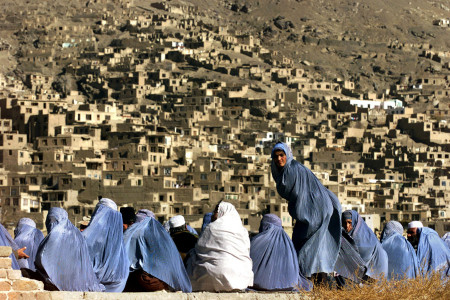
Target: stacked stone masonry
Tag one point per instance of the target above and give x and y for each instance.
(13, 285)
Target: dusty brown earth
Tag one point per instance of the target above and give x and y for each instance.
(345, 29)
(332, 38)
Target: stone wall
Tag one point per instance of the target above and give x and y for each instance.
(14, 286)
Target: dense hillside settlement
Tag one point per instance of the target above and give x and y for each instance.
(161, 107)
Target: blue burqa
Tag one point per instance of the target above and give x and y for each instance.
(317, 211)
(432, 253)
(191, 230)
(144, 213)
(402, 259)
(206, 220)
(446, 239)
(151, 249)
(349, 264)
(27, 235)
(275, 262)
(104, 238)
(7, 240)
(369, 248)
(63, 256)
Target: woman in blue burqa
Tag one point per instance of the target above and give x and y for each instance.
(144, 213)
(155, 263)
(62, 259)
(7, 240)
(316, 210)
(433, 254)
(27, 235)
(275, 262)
(104, 238)
(206, 220)
(402, 259)
(366, 244)
(446, 239)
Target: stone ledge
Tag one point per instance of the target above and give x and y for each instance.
(13, 295)
(169, 296)
(25, 284)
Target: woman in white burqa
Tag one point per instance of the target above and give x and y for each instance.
(221, 259)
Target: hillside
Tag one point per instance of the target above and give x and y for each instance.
(346, 39)
(365, 41)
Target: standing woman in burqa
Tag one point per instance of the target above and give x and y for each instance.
(317, 211)
(62, 260)
(104, 238)
(27, 235)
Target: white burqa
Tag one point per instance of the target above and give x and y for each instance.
(221, 259)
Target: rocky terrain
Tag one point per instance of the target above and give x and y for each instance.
(363, 41)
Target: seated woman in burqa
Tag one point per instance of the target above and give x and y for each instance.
(221, 260)
(446, 239)
(317, 211)
(275, 263)
(402, 259)
(104, 238)
(7, 240)
(365, 249)
(155, 263)
(433, 255)
(27, 235)
(206, 220)
(62, 259)
(144, 213)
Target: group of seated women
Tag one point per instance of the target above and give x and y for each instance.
(363, 258)
(144, 257)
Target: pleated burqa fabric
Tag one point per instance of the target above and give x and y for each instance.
(27, 235)
(317, 211)
(221, 260)
(144, 213)
(104, 238)
(349, 264)
(206, 221)
(446, 239)
(402, 259)
(191, 230)
(150, 248)
(275, 263)
(7, 240)
(63, 256)
(432, 253)
(369, 248)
